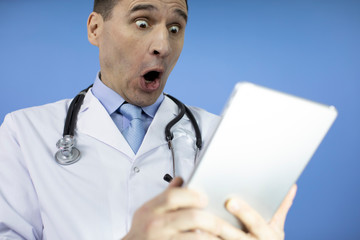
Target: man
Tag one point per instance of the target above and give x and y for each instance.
(116, 189)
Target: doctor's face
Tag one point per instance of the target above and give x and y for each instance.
(139, 46)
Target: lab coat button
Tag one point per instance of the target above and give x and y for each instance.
(136, 170)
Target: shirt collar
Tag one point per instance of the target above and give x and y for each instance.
(111, 100)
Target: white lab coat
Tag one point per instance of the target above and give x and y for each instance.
(96, 197)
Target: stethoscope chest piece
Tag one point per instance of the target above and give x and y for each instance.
(67, 153)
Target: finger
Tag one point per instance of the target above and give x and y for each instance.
(190, 219)
(250, 218)
(279, 217)
(195, 235)
(174, 198)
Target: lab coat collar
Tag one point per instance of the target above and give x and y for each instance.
(94, 120)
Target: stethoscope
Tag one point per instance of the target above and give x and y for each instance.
(69, 154)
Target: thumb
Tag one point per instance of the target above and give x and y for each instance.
(176, 182)
(279, 217)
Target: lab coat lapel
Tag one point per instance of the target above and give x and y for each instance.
(95, 121)
(155, 135)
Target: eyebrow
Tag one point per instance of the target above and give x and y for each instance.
(182, 14)
(149, 7)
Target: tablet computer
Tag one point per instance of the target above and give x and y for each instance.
(259, 149)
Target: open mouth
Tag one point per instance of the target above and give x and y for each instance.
(151, 79)
(152, 76)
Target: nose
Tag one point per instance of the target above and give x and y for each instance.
(160, 44)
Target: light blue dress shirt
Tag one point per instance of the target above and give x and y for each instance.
(111, 101)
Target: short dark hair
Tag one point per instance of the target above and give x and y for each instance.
(105, 7)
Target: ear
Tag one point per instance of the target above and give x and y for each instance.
(94, 28)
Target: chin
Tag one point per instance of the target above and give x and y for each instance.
(144, 100)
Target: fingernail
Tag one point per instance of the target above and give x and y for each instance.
(233, 205)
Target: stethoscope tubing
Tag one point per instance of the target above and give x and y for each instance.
(183, 110)
(71, 116)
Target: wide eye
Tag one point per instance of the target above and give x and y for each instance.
(174, 29)
(142, 24)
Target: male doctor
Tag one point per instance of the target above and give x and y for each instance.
(116, 190)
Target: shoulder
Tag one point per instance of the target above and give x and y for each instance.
(51, 109)
(37, 116)
(203, 116)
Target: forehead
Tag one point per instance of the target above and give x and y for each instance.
(173, 6)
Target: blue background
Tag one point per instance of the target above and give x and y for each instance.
(310, 48)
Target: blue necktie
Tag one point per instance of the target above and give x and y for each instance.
(134, 134)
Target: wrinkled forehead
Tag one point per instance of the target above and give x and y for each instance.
(176, 6)
(184, 3)
(106, 7)
(181, 4)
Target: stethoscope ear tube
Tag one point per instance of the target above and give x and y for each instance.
(183, 109)
(168, 135)
(74, 108)
(196, 127)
